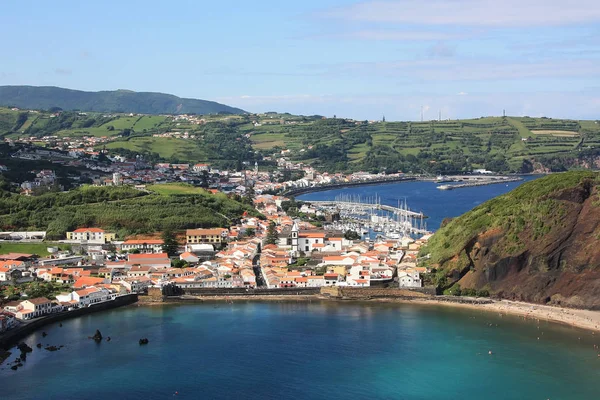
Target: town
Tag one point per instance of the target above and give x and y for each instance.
(277, 252)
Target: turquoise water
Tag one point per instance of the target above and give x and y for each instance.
(424, 196)
(307, 351)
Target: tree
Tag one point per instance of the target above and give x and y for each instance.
(250, 232)
(170, 245)
(180, 264)
(249, 196)
(272, 235)
(351, 235)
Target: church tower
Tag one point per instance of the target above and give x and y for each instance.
(295, 231)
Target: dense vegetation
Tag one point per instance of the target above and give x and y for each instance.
(119, 209)
(533, 219)
(500, 144)
(527, 206)
(48, 97)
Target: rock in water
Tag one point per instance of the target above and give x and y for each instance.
(44, 334)
(144, 341)
(97, 336)
(24, 348)
(39, 345)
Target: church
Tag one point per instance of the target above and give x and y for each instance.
(307, 241)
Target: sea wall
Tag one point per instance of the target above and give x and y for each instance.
(321, 188)
(372, 293)
(250, 292)
(12, 336)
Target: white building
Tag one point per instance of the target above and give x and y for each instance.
(409, 278)
(91, 235)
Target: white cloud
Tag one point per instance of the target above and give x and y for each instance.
(62, 71)
(462, 93)
(453, 69)
(398, 35)
(472, 12)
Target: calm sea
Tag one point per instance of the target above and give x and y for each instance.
(423, 196)
(307, 351)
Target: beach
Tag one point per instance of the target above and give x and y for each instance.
(584, 319)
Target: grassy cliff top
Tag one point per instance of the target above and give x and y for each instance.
(528, 213)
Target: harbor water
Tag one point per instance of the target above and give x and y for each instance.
(318, 350)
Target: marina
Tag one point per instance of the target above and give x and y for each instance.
(369, 217)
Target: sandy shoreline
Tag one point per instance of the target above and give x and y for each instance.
(584, 319)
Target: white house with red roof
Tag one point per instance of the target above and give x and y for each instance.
(143, 245)
(91, 235)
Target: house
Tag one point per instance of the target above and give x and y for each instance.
(409, 278)
(315, 281)
(215, 236)
(189, 257)
(248, 277)
(200, 167)
(86, 297)
(33, 308)
(7, 321)
(136, 285)
(331, 279)
(4, 274)
(157, 261)
(138, 271)
(91, 235)
(143, 245)
(87, 281)
(11, 265)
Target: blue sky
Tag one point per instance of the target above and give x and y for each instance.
(465, 58)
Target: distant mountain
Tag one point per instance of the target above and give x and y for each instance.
(46, 97)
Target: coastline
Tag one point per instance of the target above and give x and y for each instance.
(583, 319)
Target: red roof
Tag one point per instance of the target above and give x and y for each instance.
(94, 230)
(142, 241)
(133, 257)
(15, 256)
(87, 281)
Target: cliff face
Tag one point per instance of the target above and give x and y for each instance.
(539, 243)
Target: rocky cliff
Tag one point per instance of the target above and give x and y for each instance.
(539, 243)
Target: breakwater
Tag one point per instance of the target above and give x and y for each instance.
(11, 337)
(479, 183)
(320, 188)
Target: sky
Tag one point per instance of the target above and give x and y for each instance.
(354, 59)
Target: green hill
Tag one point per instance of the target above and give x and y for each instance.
(124, 101)
(537, 243)
(123, 210)
(500, 144)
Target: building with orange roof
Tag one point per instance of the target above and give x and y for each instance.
(143, 245)
(158, 261)
(91, 235)
(213, 236)
(87, 281)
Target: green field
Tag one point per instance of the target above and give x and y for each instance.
(502, 144)
(41, 249)
(175, 188)
(181, 149)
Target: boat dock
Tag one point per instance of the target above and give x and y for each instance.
(367, 215)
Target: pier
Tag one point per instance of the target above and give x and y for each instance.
(367, 215)
(482, 182)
